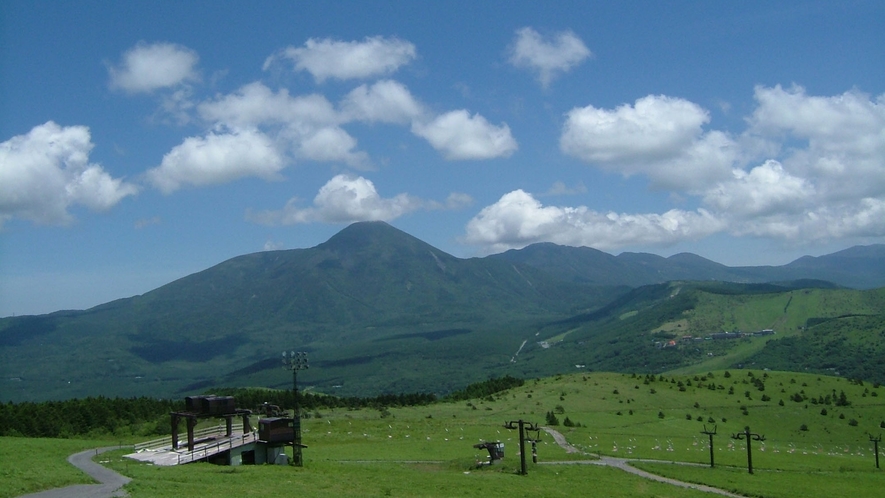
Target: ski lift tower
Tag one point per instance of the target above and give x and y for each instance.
(296, 361)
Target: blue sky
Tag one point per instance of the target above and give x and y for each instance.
(144, 141)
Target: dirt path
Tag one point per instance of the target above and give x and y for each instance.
(111, 482)
(624, 464)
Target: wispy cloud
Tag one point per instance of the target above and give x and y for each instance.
(547, 57)
(148, 67)
(343, 60)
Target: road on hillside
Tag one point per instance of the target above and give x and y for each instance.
(111, 482)
(623, 464)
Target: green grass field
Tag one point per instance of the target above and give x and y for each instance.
(30, 465)
(428, 451)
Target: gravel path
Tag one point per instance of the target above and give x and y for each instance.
(624, 464)
(111, 482)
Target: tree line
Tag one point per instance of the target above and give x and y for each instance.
(100, 416)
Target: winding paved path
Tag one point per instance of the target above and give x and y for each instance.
(111, 482)
(623, 464)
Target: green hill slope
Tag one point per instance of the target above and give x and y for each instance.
(634, 333)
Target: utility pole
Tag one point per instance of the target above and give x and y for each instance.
(748, 436)
(711, 434)
(875, 441)
(295, 362)
(523, 426)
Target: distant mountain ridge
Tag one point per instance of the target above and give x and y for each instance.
(859, 267)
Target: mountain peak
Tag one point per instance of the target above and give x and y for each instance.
(376, 239)
(362, 233)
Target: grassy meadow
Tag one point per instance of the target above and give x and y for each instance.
(28, 465)
(811, 448)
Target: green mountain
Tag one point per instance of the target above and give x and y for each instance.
(380, 311)
(375, 307)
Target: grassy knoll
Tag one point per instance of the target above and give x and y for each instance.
(28, 465)
(668, 416)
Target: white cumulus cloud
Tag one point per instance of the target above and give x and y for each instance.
(459, 136)
(328, 144)
(217, 158)
(807, 169)
(308, 125)
(386, 101)
(827, 180)
(343, 60)
(764, 190)
(518, 219)
(343, 199)
(659, 136)
(548, 58)
(255, 104)
(148, 67)
(843, 135)
(47, 171)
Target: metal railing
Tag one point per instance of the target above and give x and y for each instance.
(165, 441)
(213, 449)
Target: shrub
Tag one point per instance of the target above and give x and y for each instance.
(660, 414)
(852, 423)
(823, 411)
(803, 428)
